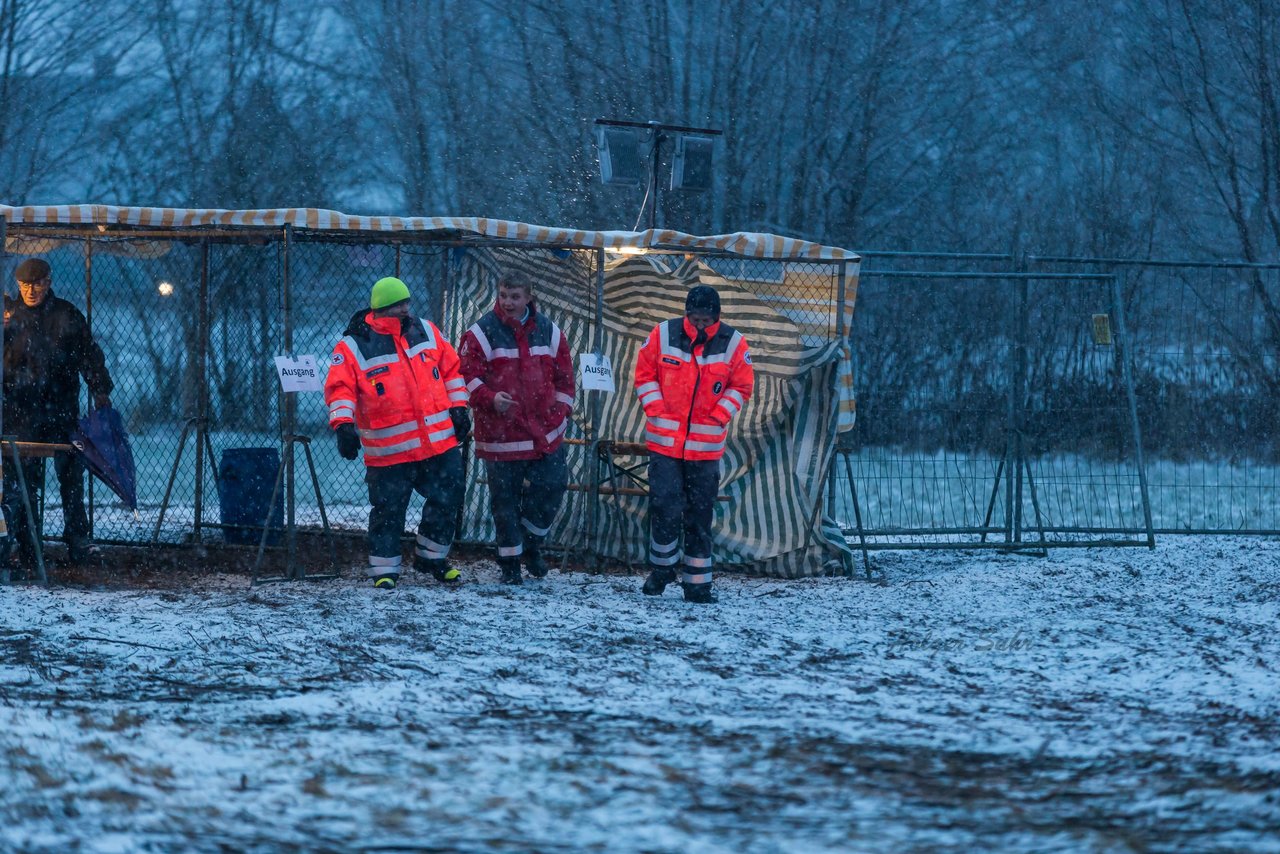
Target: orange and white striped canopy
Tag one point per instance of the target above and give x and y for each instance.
(745, 244)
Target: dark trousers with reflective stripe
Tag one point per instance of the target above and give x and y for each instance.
(682, 500)
(438, 480)
(524, 496)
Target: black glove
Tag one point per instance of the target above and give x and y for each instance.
(348, 441)
(461, 424)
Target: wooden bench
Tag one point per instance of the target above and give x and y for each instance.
(615, 468)
(607, 453)
(17, 451)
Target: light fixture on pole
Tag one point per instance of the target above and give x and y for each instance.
(620, 158)
(691, 166)
(618, 147)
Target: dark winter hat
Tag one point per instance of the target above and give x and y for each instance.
(32, 270)
(703, 298)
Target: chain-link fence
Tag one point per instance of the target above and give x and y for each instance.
(190, 322)
(930, 460)
(1001, 401)
(190, 329)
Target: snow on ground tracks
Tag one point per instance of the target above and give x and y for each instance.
(1113, 700)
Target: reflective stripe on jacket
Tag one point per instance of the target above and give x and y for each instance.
(397, 382)
(529, 361)
(691, 391)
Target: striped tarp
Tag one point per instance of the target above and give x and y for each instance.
(780, 447)
(746, 244)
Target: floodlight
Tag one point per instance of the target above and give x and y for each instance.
(692, 163)
(619, 152)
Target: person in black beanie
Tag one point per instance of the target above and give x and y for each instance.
(48, 347)
(693, 375)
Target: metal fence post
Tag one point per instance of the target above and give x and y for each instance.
(290, 412)
(88, 316)
(202, 396)
(1126, 370)
(440, 294)
(597, 413)
(598, 343)
(1011, 429)
(1018, 403)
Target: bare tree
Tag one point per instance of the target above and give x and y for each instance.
(1215, 81)
(217, 112)
(56, 58)
(1216, 72)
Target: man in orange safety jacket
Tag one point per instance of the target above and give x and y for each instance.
(693, 375)
(394, 390)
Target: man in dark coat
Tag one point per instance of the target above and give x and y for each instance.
(47, 348)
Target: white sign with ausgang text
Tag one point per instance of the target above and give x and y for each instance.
(299, 374)
(597, 373)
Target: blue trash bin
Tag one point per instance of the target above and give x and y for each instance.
(245, 482)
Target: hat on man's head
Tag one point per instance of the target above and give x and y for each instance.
(32, 270)
(703, 299)
(387, 291)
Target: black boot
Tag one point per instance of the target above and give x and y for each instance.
(701, 594)
(84, 554)
(439, 569)
(534, 563)
(657, 581)
(386, 581)
(510, 567)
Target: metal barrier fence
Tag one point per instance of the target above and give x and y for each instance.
(1197, 454)
(190, 331)
(1205, 338)
(190, 322)
(995, 410)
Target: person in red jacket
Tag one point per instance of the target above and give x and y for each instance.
(520, 377)
(693, 375)
(394, 391)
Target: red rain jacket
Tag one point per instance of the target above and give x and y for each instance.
(529, 361)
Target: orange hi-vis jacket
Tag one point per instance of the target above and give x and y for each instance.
(397, 382)
(690, 391)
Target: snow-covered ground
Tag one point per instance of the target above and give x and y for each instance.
(1101, 700)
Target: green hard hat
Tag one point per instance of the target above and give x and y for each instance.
(387, 291)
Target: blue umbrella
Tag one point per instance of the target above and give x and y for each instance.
(104, 444)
